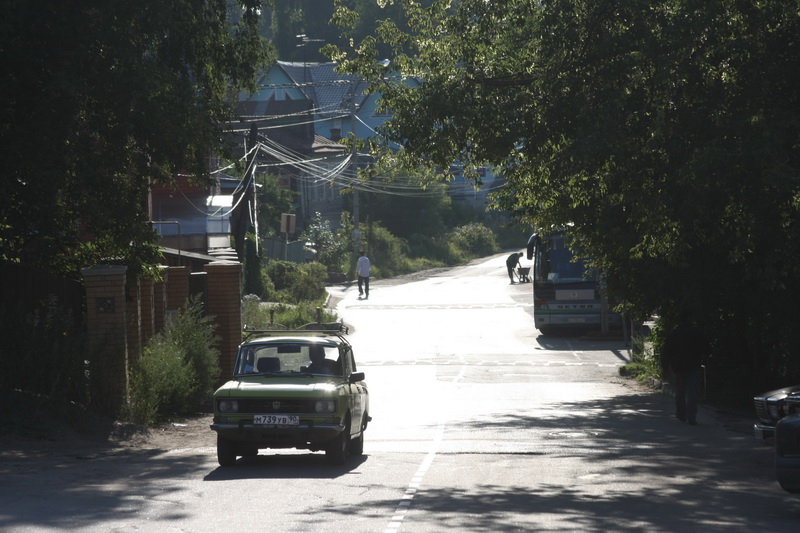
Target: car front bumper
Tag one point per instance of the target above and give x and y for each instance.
(763, 432)
(302, 436)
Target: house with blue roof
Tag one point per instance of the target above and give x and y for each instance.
(302, 111)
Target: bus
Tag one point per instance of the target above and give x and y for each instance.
(566, 292)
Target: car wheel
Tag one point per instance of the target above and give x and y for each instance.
(226, 451)
(357, 444)
(339, 448)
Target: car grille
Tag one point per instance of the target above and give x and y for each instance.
(761, 410)
(275, 405)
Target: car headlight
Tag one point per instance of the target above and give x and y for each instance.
(774, 411)
(325, 406)
(228, 406)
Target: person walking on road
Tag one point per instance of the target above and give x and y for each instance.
(683, 352)
(362, 270)
(513, 262)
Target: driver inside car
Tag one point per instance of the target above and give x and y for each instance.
(320, 365)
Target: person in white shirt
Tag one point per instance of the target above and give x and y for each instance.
(362, 269)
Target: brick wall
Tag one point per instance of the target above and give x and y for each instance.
(224, 304)
(107, 335)
(133, 309)
(146, 309)
(122, 315)
(177, 290)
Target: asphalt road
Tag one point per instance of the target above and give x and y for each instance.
(479, 424)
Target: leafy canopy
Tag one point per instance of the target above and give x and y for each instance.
(663, 134)
(103, 98)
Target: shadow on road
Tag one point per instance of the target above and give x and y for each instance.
(278, 466)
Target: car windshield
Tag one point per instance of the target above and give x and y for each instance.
(288, 357)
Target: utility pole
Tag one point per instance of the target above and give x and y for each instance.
(354, 170)
(240, 218)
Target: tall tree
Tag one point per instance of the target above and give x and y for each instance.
(664, 135)
(102, 98)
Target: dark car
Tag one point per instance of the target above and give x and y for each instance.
(292, 389)
(787, 446)
(770, 408)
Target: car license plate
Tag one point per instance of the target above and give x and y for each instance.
(277, 420)
(576, 320)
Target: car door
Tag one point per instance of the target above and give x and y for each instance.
(357, 391)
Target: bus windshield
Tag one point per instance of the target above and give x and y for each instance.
(557, 264)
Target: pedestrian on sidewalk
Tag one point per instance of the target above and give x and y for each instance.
(362, 270)
(682, 353)
(513, 262)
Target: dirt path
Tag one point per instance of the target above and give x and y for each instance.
(46, 433)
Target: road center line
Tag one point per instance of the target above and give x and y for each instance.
(411, 490)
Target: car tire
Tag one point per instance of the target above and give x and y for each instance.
(339, 448)
(226, 451)
(357, 444)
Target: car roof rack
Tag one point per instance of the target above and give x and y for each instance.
(314, 329)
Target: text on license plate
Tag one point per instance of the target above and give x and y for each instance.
(277, 420)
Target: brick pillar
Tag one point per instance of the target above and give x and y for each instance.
(160, 301)
(177, 288)
(146, 309)
(133, 306)
(107, 336)
(224, 304)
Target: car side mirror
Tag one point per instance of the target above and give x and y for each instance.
(356, 376)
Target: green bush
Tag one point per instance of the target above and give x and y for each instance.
(179, 368)
(295, 282)
(333, 247)
(282, 273)
(193, 331)
(161, 382)
(310, 284)
(438, 250)
(252, 314)
(476, 240)
(392, 256)
(257, 315)
(645, 365)
(388, 255)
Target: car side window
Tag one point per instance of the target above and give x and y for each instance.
(349, 363)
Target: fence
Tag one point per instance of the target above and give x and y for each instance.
(23, 289)
(119, 314)
(278, 249)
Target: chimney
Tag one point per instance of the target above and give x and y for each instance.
(336, 134)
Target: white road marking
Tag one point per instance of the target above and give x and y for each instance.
(411, 490)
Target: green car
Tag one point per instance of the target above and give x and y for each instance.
(292, 389)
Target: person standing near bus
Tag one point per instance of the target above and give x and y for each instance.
(362, 270)
(511, 263)
(683, 351)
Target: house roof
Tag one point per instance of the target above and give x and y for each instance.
(329, 90)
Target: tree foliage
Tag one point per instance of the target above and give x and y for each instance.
(292, 19)
(272, 201)
(663, 134)
(101, 99)
(332, 246)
